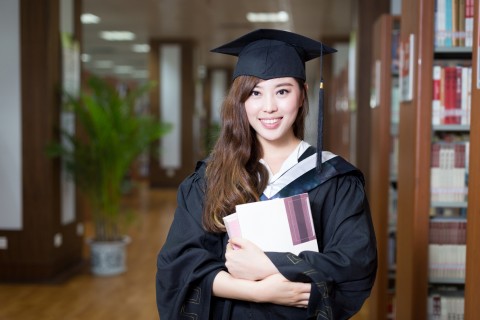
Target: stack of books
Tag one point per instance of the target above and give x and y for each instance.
(277, 225)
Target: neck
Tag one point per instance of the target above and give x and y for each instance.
(275, 153)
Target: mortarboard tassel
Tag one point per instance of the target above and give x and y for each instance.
(320, 128)
(320, 116)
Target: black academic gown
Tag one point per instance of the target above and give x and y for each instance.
(342, 273)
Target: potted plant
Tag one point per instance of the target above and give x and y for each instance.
(111, 136)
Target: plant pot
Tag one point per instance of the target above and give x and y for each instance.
(108, 258)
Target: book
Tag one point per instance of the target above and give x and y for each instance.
(448, 231)
(277, 225)
(449, 171)
(437, 91)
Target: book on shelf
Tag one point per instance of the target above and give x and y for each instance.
(395, 51)
(449, 171)
(448, 231)
(442, 306)
(446, 263)
(277, 225)
(451, 99)
(454, 23)
(447, 249)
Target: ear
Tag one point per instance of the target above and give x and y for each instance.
(305, 86)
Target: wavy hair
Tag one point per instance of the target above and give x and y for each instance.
(234, 174)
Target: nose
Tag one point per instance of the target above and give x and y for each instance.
(270, 105)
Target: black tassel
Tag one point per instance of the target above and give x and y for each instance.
(320, 128)
(320, 117)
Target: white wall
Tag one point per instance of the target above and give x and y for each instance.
(10, 117)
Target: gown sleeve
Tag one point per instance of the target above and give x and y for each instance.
(343, 272)
(189, 260)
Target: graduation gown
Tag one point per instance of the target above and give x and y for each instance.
(342, 272)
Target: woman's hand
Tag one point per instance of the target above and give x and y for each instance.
(273, 289)
(247, 261)
(278, 290)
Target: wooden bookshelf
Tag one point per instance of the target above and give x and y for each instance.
(380, 153)
(472, 279)
(414, 198)
(338, 116)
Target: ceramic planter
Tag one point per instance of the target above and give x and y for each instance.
(108, 258)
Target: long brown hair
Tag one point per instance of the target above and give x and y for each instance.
(234, 174)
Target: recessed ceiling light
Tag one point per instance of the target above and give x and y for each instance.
(281, 16)
(140, 74)
(88, 18)
(122, 69)
(141, 48)
(104, 64)
(117, 35)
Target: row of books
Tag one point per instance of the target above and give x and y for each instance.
(448, 212)
(446, 262)
(454, 23)
(448, 231)
(452, 94)
(392, 206)
(392, 251)
(441, 307)
(394, 155)
(449, 171)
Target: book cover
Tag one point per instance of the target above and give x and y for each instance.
(277, 225)
(450, 100)
(436, 99)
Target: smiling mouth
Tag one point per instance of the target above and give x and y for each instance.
(270, 121)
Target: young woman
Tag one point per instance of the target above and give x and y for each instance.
(260, 155)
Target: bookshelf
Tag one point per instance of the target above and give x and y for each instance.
(338, 131)
(472, 276)
(419, 287)
(382, 179)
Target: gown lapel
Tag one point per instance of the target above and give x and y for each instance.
(305, 177)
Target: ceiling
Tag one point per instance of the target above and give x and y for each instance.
(209, 23)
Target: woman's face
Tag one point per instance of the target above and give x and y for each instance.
(273, 107)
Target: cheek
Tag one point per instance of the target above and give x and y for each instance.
(251, 108)
(291, 108)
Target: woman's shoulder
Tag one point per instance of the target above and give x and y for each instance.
(335, 166)
(191, 191)
(197, 178)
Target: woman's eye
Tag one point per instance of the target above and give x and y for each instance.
(255, 93)
(282, 92)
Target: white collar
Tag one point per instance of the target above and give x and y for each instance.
(289, 163)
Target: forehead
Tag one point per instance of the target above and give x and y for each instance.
(278, 82)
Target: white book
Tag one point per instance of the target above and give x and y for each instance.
(277, 225)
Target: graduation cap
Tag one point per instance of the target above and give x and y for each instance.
(269, 53)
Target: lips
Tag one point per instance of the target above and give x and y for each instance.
(270, 121)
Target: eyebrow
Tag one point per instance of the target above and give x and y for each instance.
(282, 84)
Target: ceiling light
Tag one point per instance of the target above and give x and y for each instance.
(141, 48)
(85, 57)
(117, 35)
(123, 69)
(104, 64)
(88, 18)
(280, 16)
(140, 74)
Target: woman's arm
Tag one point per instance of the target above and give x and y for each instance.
(245, 260)
(273, 289)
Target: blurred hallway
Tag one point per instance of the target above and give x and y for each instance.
(83, 296)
